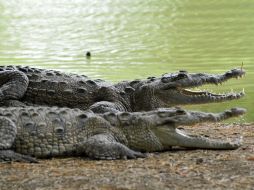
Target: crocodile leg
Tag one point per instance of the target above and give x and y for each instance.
(13, 85)
(11, 156)
(105, 147)
(110, 101)
(8, 133)
(105, 106)
(12, 103)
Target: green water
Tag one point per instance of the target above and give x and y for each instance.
(133, 39)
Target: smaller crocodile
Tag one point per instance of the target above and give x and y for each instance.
(31, 86)
(45, 132)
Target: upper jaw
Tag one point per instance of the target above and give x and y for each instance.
(186, 80)
(177, 116)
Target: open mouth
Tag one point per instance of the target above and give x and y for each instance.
(185, 84)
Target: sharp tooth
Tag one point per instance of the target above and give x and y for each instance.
(243, 90)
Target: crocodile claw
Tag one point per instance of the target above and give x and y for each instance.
(131, 154)
(11, 156)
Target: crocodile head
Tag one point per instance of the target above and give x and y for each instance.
(175, 89)
(169, 135)
(157, 130)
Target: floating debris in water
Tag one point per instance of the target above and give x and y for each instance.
(88, 54)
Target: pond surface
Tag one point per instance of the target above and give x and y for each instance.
(133, 39)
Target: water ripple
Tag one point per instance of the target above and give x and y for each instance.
(130, 39)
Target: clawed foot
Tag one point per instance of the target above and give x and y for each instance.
(131, 154)
(104, 147)
(11, 156)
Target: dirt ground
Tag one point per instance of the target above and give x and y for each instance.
(177, 169)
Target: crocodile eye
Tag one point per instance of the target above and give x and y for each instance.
(180, 112)
(164, 79)
(82, 116)
(181, 75)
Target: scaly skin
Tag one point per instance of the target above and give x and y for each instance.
(30, 86)
(43, 132)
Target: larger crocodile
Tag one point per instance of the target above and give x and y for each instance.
(31, 86)
(44, 132)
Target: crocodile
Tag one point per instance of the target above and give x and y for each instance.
(21, 85)
(45, 132)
